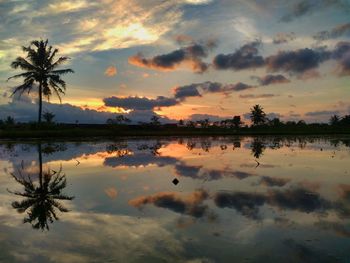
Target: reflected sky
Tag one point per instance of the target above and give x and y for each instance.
(238, 199)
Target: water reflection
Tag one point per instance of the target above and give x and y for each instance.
(257, 147)
(41, 199)
(292, 207)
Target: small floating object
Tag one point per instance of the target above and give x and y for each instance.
(175, 181)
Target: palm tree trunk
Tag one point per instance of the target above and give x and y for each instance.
(40, 103)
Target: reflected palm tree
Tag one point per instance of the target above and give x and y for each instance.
(257, 148)
(41, 200)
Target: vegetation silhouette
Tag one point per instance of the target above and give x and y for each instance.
(257, 115)
(48, 116)
(122, 126)
(41, 200)
(41, 68)
(257, 148)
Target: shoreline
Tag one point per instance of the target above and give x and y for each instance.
(25, 132)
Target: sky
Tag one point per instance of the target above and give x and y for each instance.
(184, 59)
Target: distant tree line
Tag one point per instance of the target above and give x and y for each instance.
(257, 116)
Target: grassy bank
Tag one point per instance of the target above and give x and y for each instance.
(26, 131)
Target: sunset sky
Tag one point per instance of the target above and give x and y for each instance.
(185, 59)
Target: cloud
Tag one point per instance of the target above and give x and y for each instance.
(137, 23)
(191, 55)
(342, 54)
(24, 109)
(245, 57)
(139, 159)
(111, 71)
(245, 203)
(191, 204)
(305, 7)
(297, 199)
(336, 32)
(297, 61)
(272, 181)
(198, 172)
(139, 103)
(257, 96)
(282, 38)
(271, 79)
(198, 116)
(321, 113)
(186, 91)
(197, 89)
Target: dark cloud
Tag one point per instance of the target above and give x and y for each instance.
(298, 61)
(198, 117)
(273, 115)
(186, 91)
(337, 228)
(139, 159)
(245, 203)
(198, 172)
(304, 253)
(282, 38)
(25, 110)
(139, 103)
(191, 204)
(321, 113)
(305, 7)
(271, 79)
(336, 32)
(191, 171)
(245, 57)
(256, 96)
(192, 54)
(298, 199)
(197, 89)
(342, 54)
(273, 181)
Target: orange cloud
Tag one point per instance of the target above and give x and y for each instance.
(111, 71)
(111, 192)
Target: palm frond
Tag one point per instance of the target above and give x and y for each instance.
(58, 62)
(62, 71)
(23, 64)
(22, 88)
(24, 75)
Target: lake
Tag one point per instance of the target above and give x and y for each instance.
(222, 199)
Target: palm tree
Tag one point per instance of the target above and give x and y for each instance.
(40, 68)
(257, 115)
(257, 148)
(41, 200)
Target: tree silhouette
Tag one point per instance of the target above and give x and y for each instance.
(40, 68)
(120, 119)
(41, 199)
(155, 120)
(236, 121)
(257, 148)
(48, 116)
(334, 120)
(257, 115)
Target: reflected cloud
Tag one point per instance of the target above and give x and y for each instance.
(191, 204)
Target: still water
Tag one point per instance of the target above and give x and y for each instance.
(227, 199)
